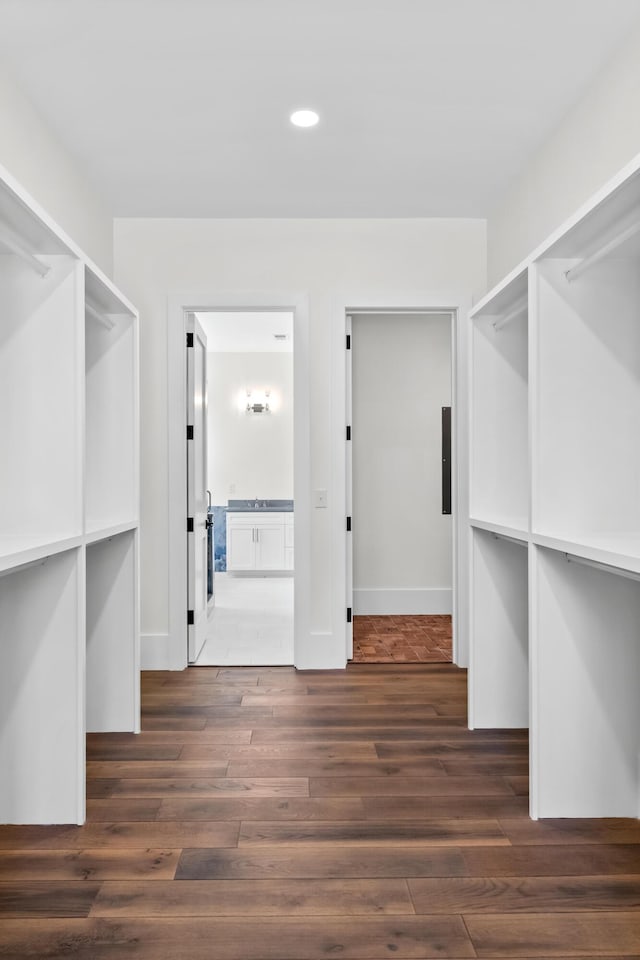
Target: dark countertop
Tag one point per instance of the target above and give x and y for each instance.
(260, 506)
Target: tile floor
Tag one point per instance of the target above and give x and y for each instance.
(251, 624)
(417, 639)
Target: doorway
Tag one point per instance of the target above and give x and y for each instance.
(250, 440)
(400, 385)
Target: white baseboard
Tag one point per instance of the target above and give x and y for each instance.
(323, 651)
(398, 601)
(156, 653)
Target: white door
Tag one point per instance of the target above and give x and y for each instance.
(197, 499)
(349, 494)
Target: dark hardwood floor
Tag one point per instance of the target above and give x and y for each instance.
(265, 814)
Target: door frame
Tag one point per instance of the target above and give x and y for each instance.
(458, 305)
(180, 304)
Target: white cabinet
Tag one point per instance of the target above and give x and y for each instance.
(259, 541)
(555, 509)
(69, 632)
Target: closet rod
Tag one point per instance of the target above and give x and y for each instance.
(574, 272)
(605, 567)
(15, 246)
(107, 320)
(510, 315)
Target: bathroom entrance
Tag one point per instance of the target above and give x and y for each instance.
(249, 399)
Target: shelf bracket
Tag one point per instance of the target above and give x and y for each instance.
(16, 246)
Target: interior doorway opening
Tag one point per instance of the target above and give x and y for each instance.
(250, 474)
(400, 564)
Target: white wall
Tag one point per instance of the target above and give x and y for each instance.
(30, 152)
(402, 542)
(250, 455)
(158, 258)
(598, 137)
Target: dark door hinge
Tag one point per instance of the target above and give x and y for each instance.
(189, 339)
(189, 432)
(189, 524)
(349, 617)
(348, 524)
(348, 341)
(190, 618)
(348, 433)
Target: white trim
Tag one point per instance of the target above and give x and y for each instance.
(198, 301)
(402, 601)
(458, 305)
(157, 653)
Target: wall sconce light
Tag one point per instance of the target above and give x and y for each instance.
(258, 402)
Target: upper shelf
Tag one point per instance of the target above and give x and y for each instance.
(506, 297)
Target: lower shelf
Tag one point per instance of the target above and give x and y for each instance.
(41, 692)
(585, 736)
(499, 669)
(113, 658)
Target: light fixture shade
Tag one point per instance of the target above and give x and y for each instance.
(304, 118)
(258, 401)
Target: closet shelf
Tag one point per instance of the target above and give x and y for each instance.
(511, 531)
(106, 532)
(18, 551)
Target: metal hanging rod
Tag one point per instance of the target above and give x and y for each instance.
(574, 272)
(16, 246)
(604, 567)
(107, 320)
(517, 309)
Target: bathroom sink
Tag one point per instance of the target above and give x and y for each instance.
(260, 506)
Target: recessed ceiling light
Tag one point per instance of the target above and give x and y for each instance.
(304, 118)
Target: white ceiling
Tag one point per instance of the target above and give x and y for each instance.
(252, 332)
(428, 107)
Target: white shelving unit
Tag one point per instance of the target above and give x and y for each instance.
(555, 469)
(499, 668)
(499, 406)
(69, 634)
(586, 671)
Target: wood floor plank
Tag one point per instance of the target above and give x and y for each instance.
(323, 862)
(155, 769)
(335, 768)
(129, 809)
(525, 894)
(97, 750)
(263, 808)
(408, 786)
(555, 935)
(214, 787)
(121, 833)
(501, 767)
(284, 734)
(458, 832)
(71, 898)
(605, 830)
(98, 864)
(555, 860)
(471, 747)
(421, 808)
(252, 938)
(251, 898)
(210, 736)
(298, 750)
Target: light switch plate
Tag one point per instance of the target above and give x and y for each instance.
(319, 498)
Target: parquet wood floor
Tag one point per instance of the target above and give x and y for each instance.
(402, 639)
(265, 814)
